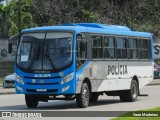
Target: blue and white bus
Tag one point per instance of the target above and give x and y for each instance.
(82, 61)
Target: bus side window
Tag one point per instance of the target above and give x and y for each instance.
(81, 47)
(132, 48)
(142, 49)
(97, 49)
(109, 47)
(121, 50)
(81, 51)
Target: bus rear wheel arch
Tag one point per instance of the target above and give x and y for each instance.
(132, 94)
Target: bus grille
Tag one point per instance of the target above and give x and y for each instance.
(55, 83)
(42, 77)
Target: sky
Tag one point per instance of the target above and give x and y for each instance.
(4, 2)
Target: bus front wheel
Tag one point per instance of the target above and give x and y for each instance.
(130, 95)
(31, 101)
(82, 98)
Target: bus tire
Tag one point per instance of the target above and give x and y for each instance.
(82, 98)
(94, 97)
(31, 101)
(130, 95)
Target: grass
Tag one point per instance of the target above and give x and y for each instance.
(129, 115)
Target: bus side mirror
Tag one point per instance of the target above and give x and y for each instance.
(9, 48)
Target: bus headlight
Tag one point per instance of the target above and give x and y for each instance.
(19, 79)
(67, 78)
(19, 88)
(65, 88)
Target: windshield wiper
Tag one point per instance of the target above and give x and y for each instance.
(50, 60)
(31, 63)
(34, 57)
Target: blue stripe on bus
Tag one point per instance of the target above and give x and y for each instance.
(83, 67)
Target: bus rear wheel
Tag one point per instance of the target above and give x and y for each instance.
(31, 101)
(82, 98)
(130, 95)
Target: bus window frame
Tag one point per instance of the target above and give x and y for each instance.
(92, 47)
(149, 58)
(114, 36)
(109, 47)
(46, 31)
(121, 48)
(130, 37)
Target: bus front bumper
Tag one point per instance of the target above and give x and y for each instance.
(67, 88)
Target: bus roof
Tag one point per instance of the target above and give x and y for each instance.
(93, 28)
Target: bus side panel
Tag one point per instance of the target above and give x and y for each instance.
(146, 74)
(115, 75)
(81, 74)
(120, 74)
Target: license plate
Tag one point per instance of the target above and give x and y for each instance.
(41, 90)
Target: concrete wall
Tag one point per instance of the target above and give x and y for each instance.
(4, 55)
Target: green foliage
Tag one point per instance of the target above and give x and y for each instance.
(141, 15)
(90, 16)
(26, 16)
(9, 15)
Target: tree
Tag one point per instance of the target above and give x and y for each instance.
(25, 20)
(9, 18)
(4, 19)
(142, 15)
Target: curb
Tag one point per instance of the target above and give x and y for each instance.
(154, 82)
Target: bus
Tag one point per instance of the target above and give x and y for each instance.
(82, 61)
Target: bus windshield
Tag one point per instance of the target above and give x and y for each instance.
(45, 51)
